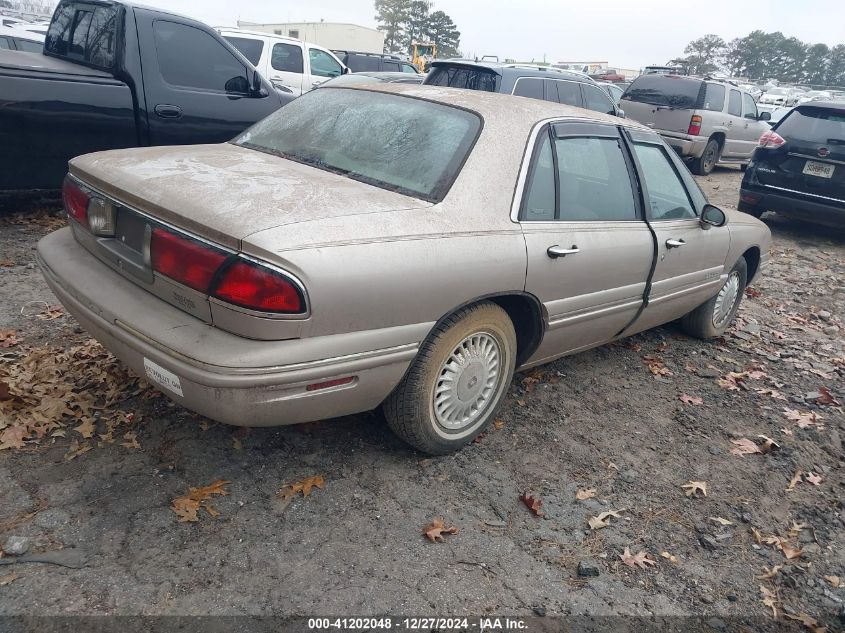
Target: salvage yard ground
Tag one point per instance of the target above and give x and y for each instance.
(658, 475)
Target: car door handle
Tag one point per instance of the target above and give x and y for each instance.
(670, 243)
(556, 251)
(167, 111)
(315, 84)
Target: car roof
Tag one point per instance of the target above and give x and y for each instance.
(523, 70)
(230, 30)
(494, 104)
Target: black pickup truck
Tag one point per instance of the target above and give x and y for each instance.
(114, 75)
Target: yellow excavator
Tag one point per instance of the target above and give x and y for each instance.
(422, 54)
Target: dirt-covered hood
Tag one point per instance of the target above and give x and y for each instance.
(226, 192)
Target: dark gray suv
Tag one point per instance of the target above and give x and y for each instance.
(538, 82)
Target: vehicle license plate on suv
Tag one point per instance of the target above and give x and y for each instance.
(822, 170)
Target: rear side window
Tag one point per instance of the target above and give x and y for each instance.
(665, 90)
(191, 58)
(597, 99)
(85, 33)
(735, 103)
(463, 77)
(248, 47)
(390, 66)
(813, 125)
(287, 58)
(529, 87)
(30, 47)
(363, 63)
(539, 203)
(6, 44)
(714, 97)
(568, 92)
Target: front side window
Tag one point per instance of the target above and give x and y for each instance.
(666, 191)
(529, 87)
(247, 46)
(714, 97)
(287, 58)
(596, 99)
(749, 108)
(735, 103)
(191, 58)
(323, 64)
(397, 143)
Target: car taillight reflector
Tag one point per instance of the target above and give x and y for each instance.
(694, 125)
(771, 139)
(258, 288)
(75, 200)
(337, 382)
(185, 260)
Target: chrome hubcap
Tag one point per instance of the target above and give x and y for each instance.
(467, 382)
(725, 301)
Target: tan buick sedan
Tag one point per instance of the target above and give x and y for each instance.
(404, 246)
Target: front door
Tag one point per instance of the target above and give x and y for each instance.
(690, 265)
(323, 67)
(589, 250)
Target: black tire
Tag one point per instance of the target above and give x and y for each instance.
(410, 409)
(705, 163)
(743, 167)
(747, 208)
(703, 322)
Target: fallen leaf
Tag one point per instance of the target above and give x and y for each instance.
(642, 560)
(499, 425)
(86, 429)
(721, 521)
(744, 446)
(769, 573)
(694, 400)
(76, 450)
(187, 506)
(12, 437)
(533, 503)
(769, 599)
(752, 293)
(589, 493)
(796, 479)
(305, 486)
(808, 622)
(434, 532)
(8, 338)
(827, 397)
(51, 312)
(774, 393)
(521, 403)
(813, 478)
(603, 520)
(834, 580)
(758, 538)
(8, 579)
(671, 558)
(655, 366)
(131, 440)
(695, 487)
(804, 420)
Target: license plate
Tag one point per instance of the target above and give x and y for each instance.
(162, 377)
(822, 170)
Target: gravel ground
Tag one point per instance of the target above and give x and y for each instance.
(632, 430)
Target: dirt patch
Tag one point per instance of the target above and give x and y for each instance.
(633, 430)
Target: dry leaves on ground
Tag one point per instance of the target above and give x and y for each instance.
(777, 542)
(693, 488)
(8, 338)
(187, 506)
(8, 579)
(809, 623)
(804, 420)
(655, 366)
(744, 446)
(670, 557)
(533, 503)
(796, 479)
(835, 581)
(769, 573)
(813, 478)
(603, 520)
(721, 521)
(636, 560)
(436, 529)
(589, 493)
(693, 400)
(305, 486)
(769, 599)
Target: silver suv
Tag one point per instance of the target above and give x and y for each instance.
(705, 120)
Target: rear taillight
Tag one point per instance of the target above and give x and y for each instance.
(75, 200)
(257, 287)
(694, 125)
(182, 259)
(771, 139)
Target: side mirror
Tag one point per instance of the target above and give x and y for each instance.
(712, 216)
(238, 85)
(764, 116)
(620, 113)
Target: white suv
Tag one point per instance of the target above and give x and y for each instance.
(289, 64)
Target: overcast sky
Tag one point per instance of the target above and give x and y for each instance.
(626, 34)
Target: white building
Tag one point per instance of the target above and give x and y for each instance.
(332, 35)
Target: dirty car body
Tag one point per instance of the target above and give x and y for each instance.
(406, 245)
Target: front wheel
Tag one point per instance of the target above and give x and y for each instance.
(713, 317)
(457, 381)
(704, 164)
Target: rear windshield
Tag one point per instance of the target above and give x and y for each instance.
(248, 47)
(398, 143)
(814, 125)
(463, 77)
(83, 32)
(665, 90)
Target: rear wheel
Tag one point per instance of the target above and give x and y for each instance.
(713, 317)
(456, 383)
(704, 164)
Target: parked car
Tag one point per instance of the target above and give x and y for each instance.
(118, 75)
(814, 95)
(289, 63)
(352, 79)
(706, 121)
(780, 96)
(613, 90)
(395, 244)
(665, 70)
(799, 166)
(538, 82)
(608, 74)
(753, 90)
(15, 39)
(372, 62)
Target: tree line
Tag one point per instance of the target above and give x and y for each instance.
(761, 55)
(406, 20)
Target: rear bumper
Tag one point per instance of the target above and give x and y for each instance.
(793, 204)
(215, 381)
(684, 144)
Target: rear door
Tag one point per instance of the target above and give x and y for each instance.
(812, 160)
(589, 250)
(287, 66)
(734, 142)
(197, 90)
(565, 92)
